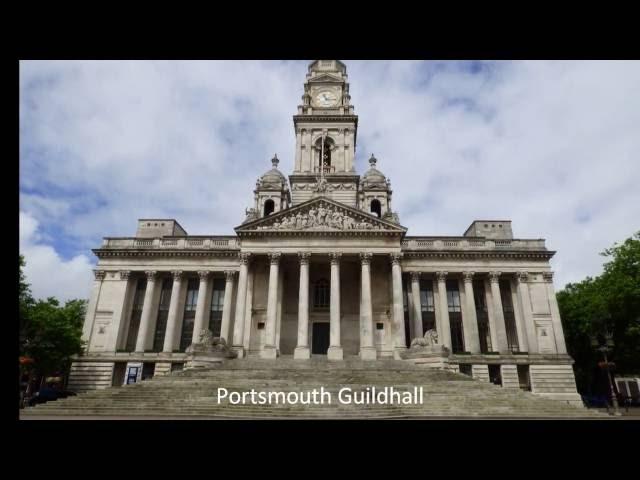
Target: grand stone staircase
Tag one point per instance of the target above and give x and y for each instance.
(193, 394)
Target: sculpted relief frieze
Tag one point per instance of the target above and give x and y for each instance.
(328, 187)
(321, 217)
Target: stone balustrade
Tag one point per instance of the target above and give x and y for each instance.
(463, 243)
(186, 243)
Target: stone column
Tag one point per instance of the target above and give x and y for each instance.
(469, 317)
(298, 159)
(398, 308)
(417, 307)
(269, 350)
(335, 347)
(280, 307)
(556, 321)
(174, 310)
(199, 322)
(90, 316)
(142, 340)
(302, 350)
(367, 348)
(122, 312)
(492, 318)
(523, 345)
(444, 337)
(238, 324)
(527, 313)
(226, 306)
(498, 312)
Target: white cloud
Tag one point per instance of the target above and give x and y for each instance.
(49, 274)
(552, 146)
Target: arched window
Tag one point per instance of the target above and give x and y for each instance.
(325, 153)
(321, 294)
(269, 207)
(376, 207)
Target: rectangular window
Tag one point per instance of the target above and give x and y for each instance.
(119, 370)
(509, 316)
(465, 368)
(217, 302)
(189, 313)
(482, 315)
(163, 315)
(427, 306)
(136, 314)
(495, 376)
(321, 294)
(405, 293)
(453, 296)
(455, 316)
(148, 370)
(523, 377)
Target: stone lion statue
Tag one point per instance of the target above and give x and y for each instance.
(430, 339)
(207, 343)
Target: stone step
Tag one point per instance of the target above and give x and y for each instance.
(193, 393)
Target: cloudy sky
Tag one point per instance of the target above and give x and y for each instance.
(553, 146)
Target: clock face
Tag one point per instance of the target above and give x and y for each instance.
(326, 99)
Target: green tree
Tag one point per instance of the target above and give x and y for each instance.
(25, 303)
(610, 300)
(55, 334)
(50, 334)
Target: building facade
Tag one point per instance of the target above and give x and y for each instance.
(321, 265)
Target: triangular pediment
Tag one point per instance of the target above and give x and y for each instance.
(321, 214)
(325, 77)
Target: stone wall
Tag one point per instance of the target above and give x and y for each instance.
(85, 376)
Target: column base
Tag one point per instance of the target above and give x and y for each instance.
(302, 353)
(335, 353)
(398, 351)
(269, 352)
(368, 353)
(239, 350)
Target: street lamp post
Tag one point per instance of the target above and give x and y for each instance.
(604, 348)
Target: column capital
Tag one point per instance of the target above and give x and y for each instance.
(415, 276)
(274, 258)
(124, 274)
(522, 277)
(395, 258)
(99, 274)
(151, 275)
(229, 275)
(304, 257)
(203, 274)
(335, 257)
(244, 258)
(365, 258)
(468, 276)
(441, 276)
(494, 276)
(548, 277)
(177, 274)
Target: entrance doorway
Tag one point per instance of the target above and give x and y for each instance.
(320, 338)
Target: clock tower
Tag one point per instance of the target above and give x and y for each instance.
(325, 128)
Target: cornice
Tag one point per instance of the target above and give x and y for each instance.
(320, 233)
(540, 255)
(324, 118)
(111, 252)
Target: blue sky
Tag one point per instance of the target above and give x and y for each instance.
(553, 146)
